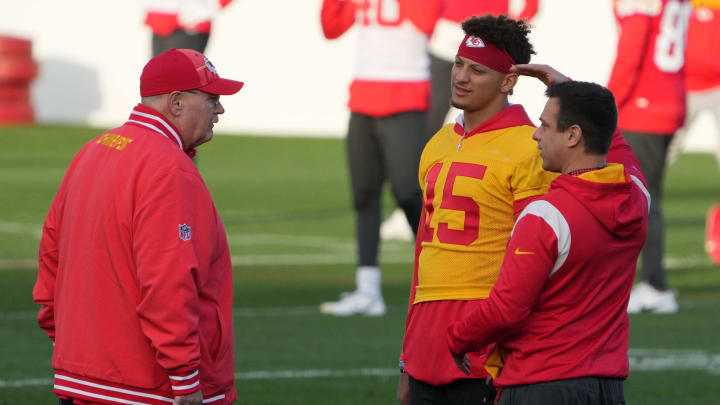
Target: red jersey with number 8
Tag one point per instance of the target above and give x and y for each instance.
(648, 78)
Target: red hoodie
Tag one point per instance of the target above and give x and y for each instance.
(559, 308)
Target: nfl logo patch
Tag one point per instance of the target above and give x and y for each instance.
(184, 232)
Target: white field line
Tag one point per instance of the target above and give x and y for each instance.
(640, 360)
(21, 228)
(320, 250)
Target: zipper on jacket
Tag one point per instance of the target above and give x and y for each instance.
(460, 142)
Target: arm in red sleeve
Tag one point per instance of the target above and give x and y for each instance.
(423, 14)
(44, 290)
(519, 205)
(168, 269)
(522, 278)
(531, 8)
(621, 152)
(337, 16)
(634, 38)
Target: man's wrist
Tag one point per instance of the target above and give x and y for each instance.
(402, 367)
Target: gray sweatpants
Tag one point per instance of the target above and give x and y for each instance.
(651, 151)
(380, 148)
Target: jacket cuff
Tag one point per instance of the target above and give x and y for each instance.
(457, 345)
(184, 383)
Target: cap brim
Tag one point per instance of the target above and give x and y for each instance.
(223, 87)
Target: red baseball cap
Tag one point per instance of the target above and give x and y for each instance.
(183, 69)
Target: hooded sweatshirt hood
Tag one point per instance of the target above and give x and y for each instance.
(621, 214)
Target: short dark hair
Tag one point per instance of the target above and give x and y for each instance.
(591, 107)
(503, 32)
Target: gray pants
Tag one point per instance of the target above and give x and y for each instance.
(379, 149)
(586, 391)
(440, 102)
(651, 151)
(181, 40)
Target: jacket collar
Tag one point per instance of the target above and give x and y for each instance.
(512, 116)
(147, 117)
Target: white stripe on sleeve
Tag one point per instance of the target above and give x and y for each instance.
(554, 218)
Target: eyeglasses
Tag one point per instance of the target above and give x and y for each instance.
(212, 98)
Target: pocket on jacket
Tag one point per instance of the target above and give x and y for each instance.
(216, 347)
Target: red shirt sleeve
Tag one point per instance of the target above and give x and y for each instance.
(620, 152)
(531, 8)
(44, 290)
(635, 32)
(167, 271)
(522, 278)
(423, 14)
(337, 16)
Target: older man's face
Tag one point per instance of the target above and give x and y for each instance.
(200, 113)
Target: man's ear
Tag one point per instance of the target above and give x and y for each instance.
(574, 136)
(175, 102)
(509, 82)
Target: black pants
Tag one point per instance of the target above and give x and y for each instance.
(379, 149)
(575, 391)
(179, 39)
(651, 151)
(440, 102)
(471, 391)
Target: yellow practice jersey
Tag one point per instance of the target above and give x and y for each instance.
(473, 184)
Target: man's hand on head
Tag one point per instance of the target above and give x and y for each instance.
(545, 73)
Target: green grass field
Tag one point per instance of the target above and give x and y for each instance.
(286, 206)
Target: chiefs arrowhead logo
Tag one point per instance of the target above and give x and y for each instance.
(474, 42)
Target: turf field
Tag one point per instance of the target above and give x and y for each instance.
(285, 203)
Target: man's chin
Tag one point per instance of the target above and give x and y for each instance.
(458, 105)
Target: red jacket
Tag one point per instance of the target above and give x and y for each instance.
(559, 308)
(648, 78)
(135, 279)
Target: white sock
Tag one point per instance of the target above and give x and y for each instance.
(368, 280)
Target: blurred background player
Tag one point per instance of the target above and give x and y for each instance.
(442, 47)
(477, 175)
(702, 68)
(181, 23)
(648, 80)
(389, 97)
